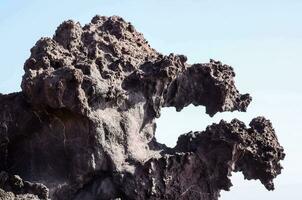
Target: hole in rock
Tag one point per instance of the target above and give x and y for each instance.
(241, 188)
(171, 124)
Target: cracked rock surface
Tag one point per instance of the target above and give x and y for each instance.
(83, 126)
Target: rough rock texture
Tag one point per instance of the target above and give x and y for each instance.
(84, 123)
(18, 186)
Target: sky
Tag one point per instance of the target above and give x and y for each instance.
(260, 39)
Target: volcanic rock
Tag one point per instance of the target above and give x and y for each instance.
(83, 126)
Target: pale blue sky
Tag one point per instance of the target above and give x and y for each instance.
(261, 39)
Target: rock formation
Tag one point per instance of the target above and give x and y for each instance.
(83, 126)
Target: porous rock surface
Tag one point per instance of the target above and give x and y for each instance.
(82, 128)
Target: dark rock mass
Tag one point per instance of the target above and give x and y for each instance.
(83, 126)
